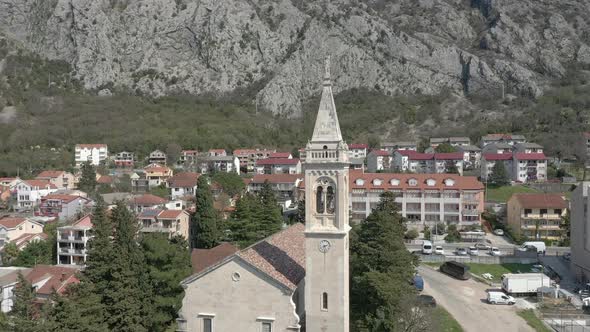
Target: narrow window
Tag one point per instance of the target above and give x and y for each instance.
(325, 301)
(207, 324)
(330, 200)
(320, 200)
(266, 327)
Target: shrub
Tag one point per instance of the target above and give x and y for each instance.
(411, 234)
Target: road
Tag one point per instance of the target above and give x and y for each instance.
(505, 248)
(465, 300)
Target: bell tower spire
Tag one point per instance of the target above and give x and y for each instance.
(326, 220)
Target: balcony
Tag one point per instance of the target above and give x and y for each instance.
(470, 212)
(541, 216)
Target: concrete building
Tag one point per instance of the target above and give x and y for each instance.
(94, 153)
(157, 174)
(416, 162)
(278, 166)
(61, 179)
(379, 160)
(72, 241)
(284, 185)
(528, 148)
(471, 156)
(357, 150)
(249, 157)
(12, 228)
(502, 138)
(62, 206)
(124, 159)
(171, 222)
(219, 163)
(30, 192)
(393, 146)
(580, 232)
(453, 141)
(8, 280)
(537, 216)
(520, 166)
(157, 157)
(183, 185)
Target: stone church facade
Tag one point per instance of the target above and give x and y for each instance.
(296, 279)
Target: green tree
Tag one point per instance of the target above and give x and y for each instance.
(204, 230)
(160, 191)
(381, 267)
(451, 167)
(78, 310)
(168, 264)
(374, 142)
(128, 298)
(272, 216)
(299, 215)
(36, 252)
(453, 234)
(445, 148)
(173, 152)
(88, 178)
(423, 144)
(101, 252)
(231, 183)
(9, 253)
(22, 317)
(499, 175)
(123, 183)
(566, 226)
(427, 233)
(411, 234)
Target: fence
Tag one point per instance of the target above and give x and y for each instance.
(567, 324)
(479, 259)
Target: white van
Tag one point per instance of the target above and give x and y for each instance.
(539, 245)
(427, 247)
(497, 297)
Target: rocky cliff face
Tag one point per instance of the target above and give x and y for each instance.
(276, 47)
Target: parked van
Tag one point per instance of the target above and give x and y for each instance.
(497, 297)
(427, 247)
(456, 269)
(538, 245)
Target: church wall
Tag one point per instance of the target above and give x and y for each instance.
(237, 305)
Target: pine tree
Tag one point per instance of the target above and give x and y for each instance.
(381, 267)
(168, 263)
(88, 178)
(204, 231)
(271, 216)
(23, 314)
(299, 215)
(451, 167)
(499, 176)
(78, 311)
(100, 253)
(128, 298)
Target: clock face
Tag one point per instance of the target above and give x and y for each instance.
(324, 246)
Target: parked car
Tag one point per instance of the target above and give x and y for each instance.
(483, 246)
(426, 300)
(461, 252)
(497, 297)
(473, 251)
(418, 282)
(439, 250)
(495, 251)
(499, 231)
(427, 247)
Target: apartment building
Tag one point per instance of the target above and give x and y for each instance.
(424, 199)
(188, 157)
(489, 160)
(520, 166)
(278, 166)
(284, 185)
(580, 232)
(528, 148)
(249, 157)
(12, 228)
(157, 174)
(157, 157)
(62, 206)
(30, 192)
(124, 159)
(537, 216)
(227, 164)
(506, 138)
(171, 222)
(392, 146)
(379, 160)
(61, 179)
(471, 156)
(453, 141)
(358, 150)
(72, 241)
(217, 153)
(416, 162)
(93, 153)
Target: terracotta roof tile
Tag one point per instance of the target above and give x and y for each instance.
(40, 183)
(449, 156)
(50, 174)
(105, 179)
(530, 156)
(459, 182)
(276, 178)
(11, 222)
(62, 197)
(497, 156)
(541, 200)
(149, 199)
(184, 180)
(59, 278)
(201, 259)
(280, 155)
(281, 256)
(170, 214)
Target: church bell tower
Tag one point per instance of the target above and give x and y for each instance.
(326, 221)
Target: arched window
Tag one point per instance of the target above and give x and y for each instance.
(330, 202)
(325, 301)
(320, 200)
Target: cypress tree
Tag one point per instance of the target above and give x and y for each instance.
(88, 178)
(271, 217)
(204, 231)
(23, 314)
(100, 253)
(499, 174)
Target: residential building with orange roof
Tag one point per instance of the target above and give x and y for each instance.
(30, 192)
(47, 279)
(248, 157)
(284, 186)
(278, 166)
(188, 157)
(72, 241)
(93, 153)
(217, 153)
(147, 201)
(61, 179)
(157, 174)
(157, 157)
(63, 206)
(12, 228)
(10, 182)
(171, 222)
(268, 276)
(183, 185)
(537, 216)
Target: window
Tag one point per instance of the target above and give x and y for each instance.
(330, 200)
(325, 301)
(207, 324)
(557, 211)
(543, 211)
(266, 327)
(320, 200)
(527, 212)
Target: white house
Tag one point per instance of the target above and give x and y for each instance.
(30, 192)
(183, 184)
(72, 241)
(378, 160)
(529, 167)
(94, 153)
(278, 166)
(12, 228)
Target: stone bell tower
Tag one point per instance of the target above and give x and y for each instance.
(326, 221)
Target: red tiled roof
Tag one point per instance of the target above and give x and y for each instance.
(244, 152)
(40, 183)
(61, 197)
(7, 179)
(189, 152)
(50, 174)
(449, 156)
(149, 199)
(91, 146)
(105, 179)
(156, 168)
(280, 155)
(217, 150)
(540, 200)
(358, 146)
(530, 156)
(276, 178)
(24, 239)
(460, 182)
(381, 152)
(281, 256)
(59, 278)
(277, 161)
(184, 180)
(497, 156)
(85, 221)
(201, 259)
(170, 214)
(11, 222)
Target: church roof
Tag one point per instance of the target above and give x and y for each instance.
(327, 127)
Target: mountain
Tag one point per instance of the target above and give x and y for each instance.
(274, 49)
